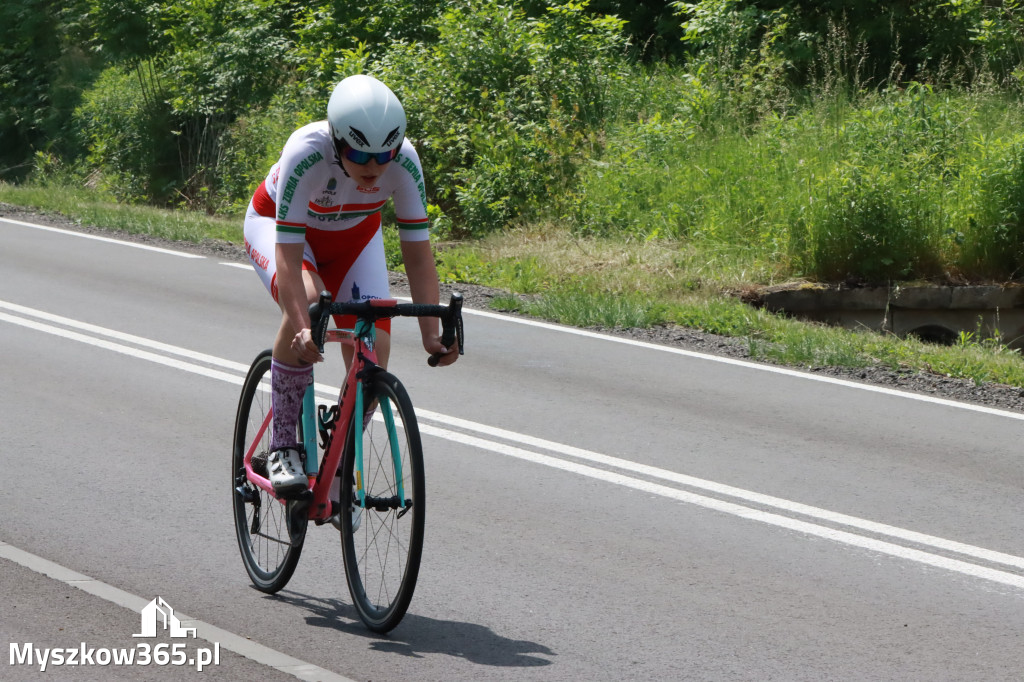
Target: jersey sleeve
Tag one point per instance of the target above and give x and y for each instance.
(303, 170)
(410, 197)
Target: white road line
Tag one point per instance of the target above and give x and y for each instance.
(734, 509)
(125, 350)
(743, 363)
(211, 633)
(781, 504)
(605, 337)
(127, 338)
(750, 365)
(563, 451)
(86, 235)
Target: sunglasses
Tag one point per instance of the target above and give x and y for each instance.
(362, 158)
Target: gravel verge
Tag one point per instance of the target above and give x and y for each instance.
(988, 394)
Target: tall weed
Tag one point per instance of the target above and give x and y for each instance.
(992, 244)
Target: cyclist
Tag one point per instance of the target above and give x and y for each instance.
(314, 223)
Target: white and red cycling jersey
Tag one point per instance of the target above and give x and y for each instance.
(307, 198)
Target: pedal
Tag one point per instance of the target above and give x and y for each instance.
(297, 515)
(301, 496)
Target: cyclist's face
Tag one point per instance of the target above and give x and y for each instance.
(366, 174)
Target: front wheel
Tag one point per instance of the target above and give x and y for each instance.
(270, 533)
(382, 549)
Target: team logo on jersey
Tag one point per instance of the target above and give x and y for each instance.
(332, 184)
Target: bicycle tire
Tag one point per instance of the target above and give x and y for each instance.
(270, 533)
(382, 557)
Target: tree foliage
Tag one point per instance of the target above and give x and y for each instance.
(503, 102)
(43, 70)
(187, 102)
(905, 40)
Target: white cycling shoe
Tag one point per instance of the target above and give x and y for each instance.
(287, 473)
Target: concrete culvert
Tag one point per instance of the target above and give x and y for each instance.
(935, 333)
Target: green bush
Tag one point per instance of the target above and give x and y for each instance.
(913, 38)
(878, 212)
(253, 143)
(502, 104)
(913, 183)
(128, 138)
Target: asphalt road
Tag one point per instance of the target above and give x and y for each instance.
(598, 509)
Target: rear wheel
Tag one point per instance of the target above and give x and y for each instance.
(270, 533)
(382, 554)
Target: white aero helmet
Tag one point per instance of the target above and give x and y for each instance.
(365, 115)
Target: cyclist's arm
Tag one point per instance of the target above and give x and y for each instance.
(303, 168)
(419, 266)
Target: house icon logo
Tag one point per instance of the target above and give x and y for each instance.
(159, 612)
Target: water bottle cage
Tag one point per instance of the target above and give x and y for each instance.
(326, 421)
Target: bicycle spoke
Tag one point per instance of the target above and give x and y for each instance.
(269, 551)
(382, 557)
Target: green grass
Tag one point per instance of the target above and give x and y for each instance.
(89, 207)
(614, 284)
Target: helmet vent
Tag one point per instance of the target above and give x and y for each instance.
(359, 137)
(392, 137)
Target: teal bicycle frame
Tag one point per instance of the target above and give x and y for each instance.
(311, 424)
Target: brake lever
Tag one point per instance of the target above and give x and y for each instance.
(320, 311)
(451, 329)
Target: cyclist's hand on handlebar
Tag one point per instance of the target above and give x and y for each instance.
(446, 356)
(305, 347)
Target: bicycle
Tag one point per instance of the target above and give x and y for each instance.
(378, 460)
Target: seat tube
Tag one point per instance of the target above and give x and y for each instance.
(357, 430)
(309, 430)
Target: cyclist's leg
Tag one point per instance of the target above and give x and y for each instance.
(289, 377)
(260, 239)
(313, 284)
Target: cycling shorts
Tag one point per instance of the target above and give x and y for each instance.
(350, 262)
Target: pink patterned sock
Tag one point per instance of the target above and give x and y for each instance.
(287, 387)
